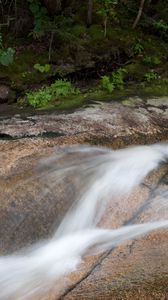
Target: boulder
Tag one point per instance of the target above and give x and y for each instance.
(6, 94)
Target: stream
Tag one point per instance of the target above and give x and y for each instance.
(62, 193)
(107, 176)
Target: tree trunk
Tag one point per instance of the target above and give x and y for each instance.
(89, 15)
(139, 13)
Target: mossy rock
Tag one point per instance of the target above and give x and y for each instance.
(21, 72)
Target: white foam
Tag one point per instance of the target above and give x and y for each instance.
(112, 173)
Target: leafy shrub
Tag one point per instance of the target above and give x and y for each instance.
(161, 25)
(118, 78)
(161, 28)
(40, 18)
(61, 88)
(138, 48)
(6, 55)
(116, 81)
(39, 98)
(107, 84)
(150, 76)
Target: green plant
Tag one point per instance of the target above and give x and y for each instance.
(150, 76)
(6, 54)
(151, 60)
(25, 74)
(106, 10)
(40, 18)
(161, 25)
(107, 84)
(138, 48)
(42, 68)
(118, 78)
(115, 82)
(60, 88)
(39, 98)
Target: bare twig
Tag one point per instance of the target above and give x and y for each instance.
(139, 13)
(50, 45)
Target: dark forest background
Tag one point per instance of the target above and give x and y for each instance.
(113, 41)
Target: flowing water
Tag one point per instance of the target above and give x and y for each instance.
(105, 175)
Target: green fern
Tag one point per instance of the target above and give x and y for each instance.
(107, 84)
(59, 89)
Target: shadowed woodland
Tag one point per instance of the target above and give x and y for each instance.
(82, 49)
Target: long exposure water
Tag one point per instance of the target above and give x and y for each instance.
(105, 175)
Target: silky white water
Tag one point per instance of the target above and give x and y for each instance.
(106, 175)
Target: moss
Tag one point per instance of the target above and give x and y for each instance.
(71, 102)
(132, 102)
(157, 88)
(22, 72)
(142, 89)
(136, 71)
(97, 95)
(65, 103)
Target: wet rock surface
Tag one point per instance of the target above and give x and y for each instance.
(101, 120)
(134, 270)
